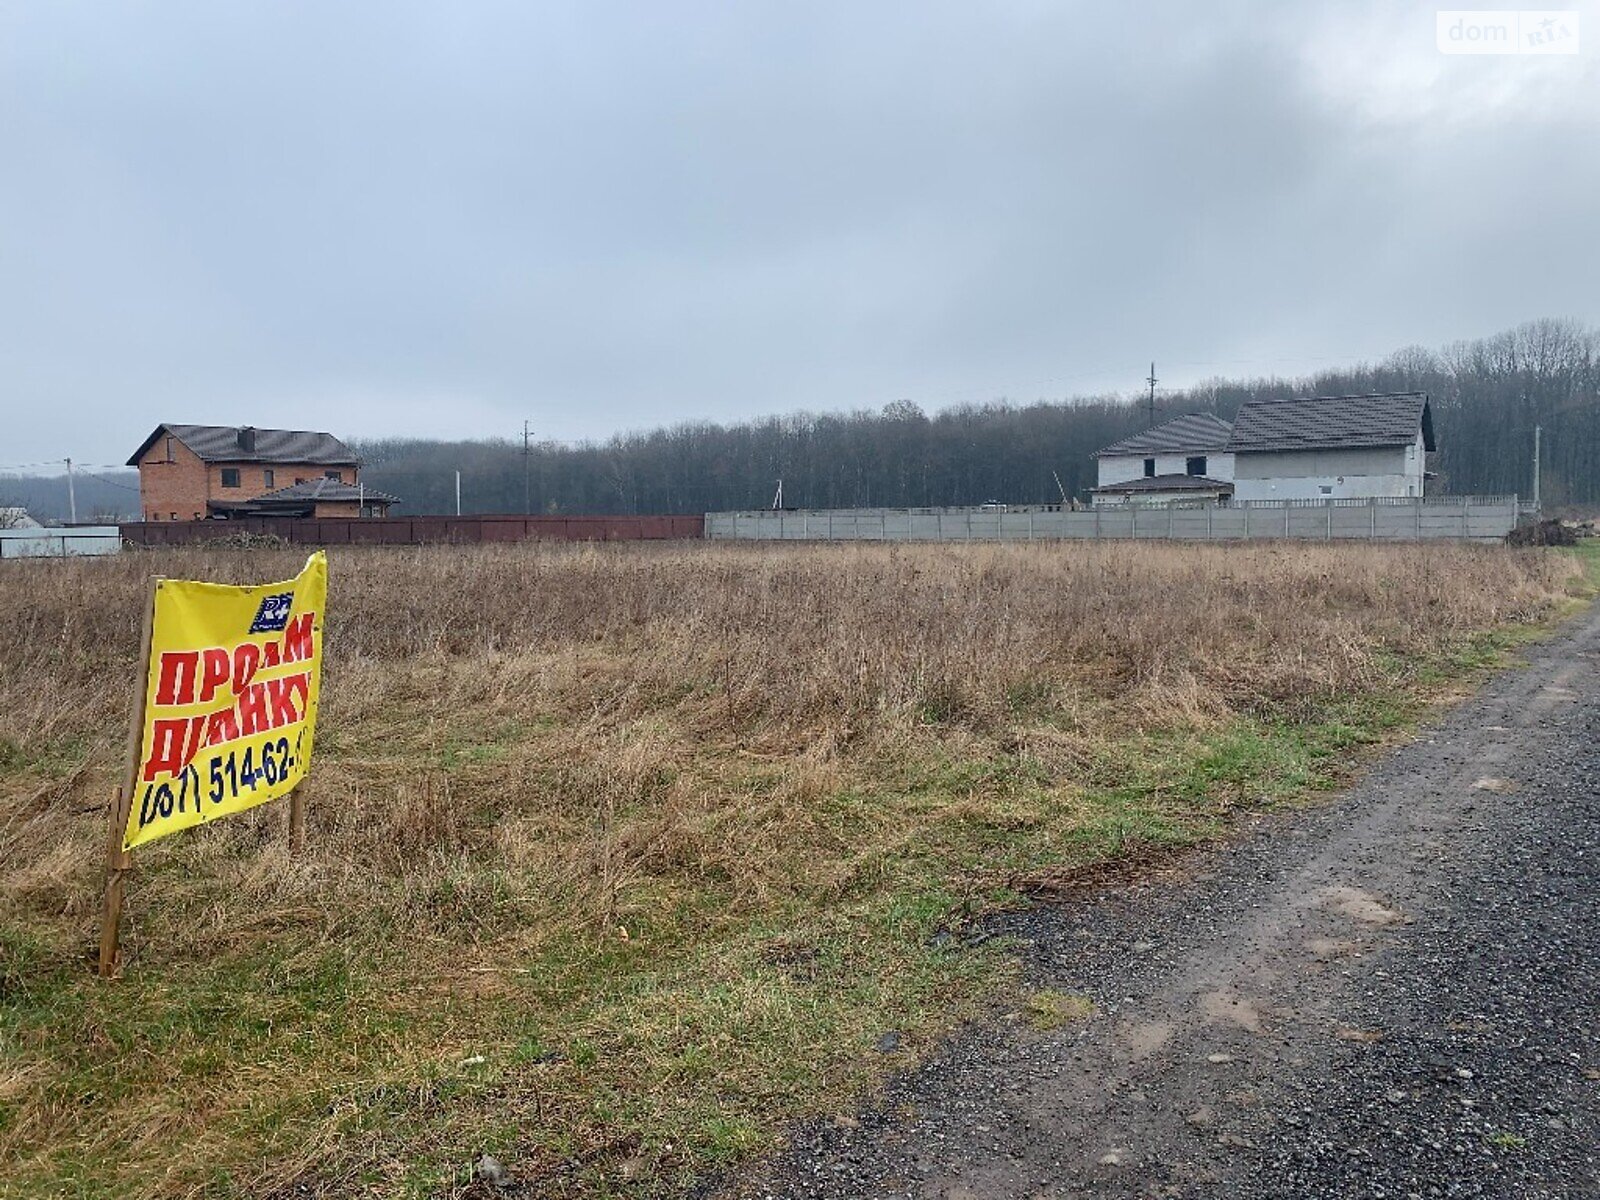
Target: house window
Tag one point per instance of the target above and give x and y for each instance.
(169, 449)
(1196, 465)
(334, 475)
(1327, 489)
(266, 477)
(1149, 468)
(174, 516)
(230, 477)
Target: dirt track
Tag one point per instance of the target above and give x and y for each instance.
(1392, 996)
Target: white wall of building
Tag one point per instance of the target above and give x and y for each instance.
(1330, 474)
(1120, 468)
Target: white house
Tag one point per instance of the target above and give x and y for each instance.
(1186, 458)
(15, 517)
(1332, 447)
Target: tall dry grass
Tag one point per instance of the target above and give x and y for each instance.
(528, 744)
(510, 702)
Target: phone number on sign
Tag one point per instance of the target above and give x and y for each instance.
(229, 777)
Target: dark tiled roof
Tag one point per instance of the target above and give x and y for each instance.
(1332, 422)
(226, 443)
(301, 499)
(330, 490)
(1169, 483)
(1181, 435)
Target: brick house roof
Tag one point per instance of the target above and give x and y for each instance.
(302, 498)
(231, 443)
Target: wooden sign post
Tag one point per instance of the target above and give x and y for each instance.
(297, 823)
(118, 861)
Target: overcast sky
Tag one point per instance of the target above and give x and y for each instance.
(380, 218)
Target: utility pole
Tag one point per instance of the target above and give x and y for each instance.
(1536, 432)
(72, 495)
(527, 495)
(1152, 382)
(458, 493)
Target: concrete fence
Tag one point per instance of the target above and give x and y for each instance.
(1471, 518)
(68, 542)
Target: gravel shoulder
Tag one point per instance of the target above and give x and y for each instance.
(1393, 995)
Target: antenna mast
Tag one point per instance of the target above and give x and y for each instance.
(1152, 382)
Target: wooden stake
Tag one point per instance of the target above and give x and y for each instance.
(297, 823)
(118, 861)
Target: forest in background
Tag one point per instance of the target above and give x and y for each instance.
(1487, 396)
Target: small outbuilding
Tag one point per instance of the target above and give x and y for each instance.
(311, 498)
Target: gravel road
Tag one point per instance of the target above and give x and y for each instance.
(1394, 995)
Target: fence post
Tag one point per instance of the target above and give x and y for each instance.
(1418, 510)
(1169, 520)
(1329, 538)
(1286, 511)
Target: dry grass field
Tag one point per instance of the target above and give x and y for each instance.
(619, 857)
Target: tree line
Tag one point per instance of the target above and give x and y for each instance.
(1488, 394)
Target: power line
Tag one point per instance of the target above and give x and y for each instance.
(108, 482)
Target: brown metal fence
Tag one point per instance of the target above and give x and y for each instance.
(416, 531)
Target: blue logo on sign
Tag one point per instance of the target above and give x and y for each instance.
(273, 614)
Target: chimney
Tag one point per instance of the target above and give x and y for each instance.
(247, 439)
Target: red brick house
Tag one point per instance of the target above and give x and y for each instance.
(194, 472)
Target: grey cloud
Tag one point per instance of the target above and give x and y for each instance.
(441, 219)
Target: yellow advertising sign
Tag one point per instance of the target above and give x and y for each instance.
(230, 709)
